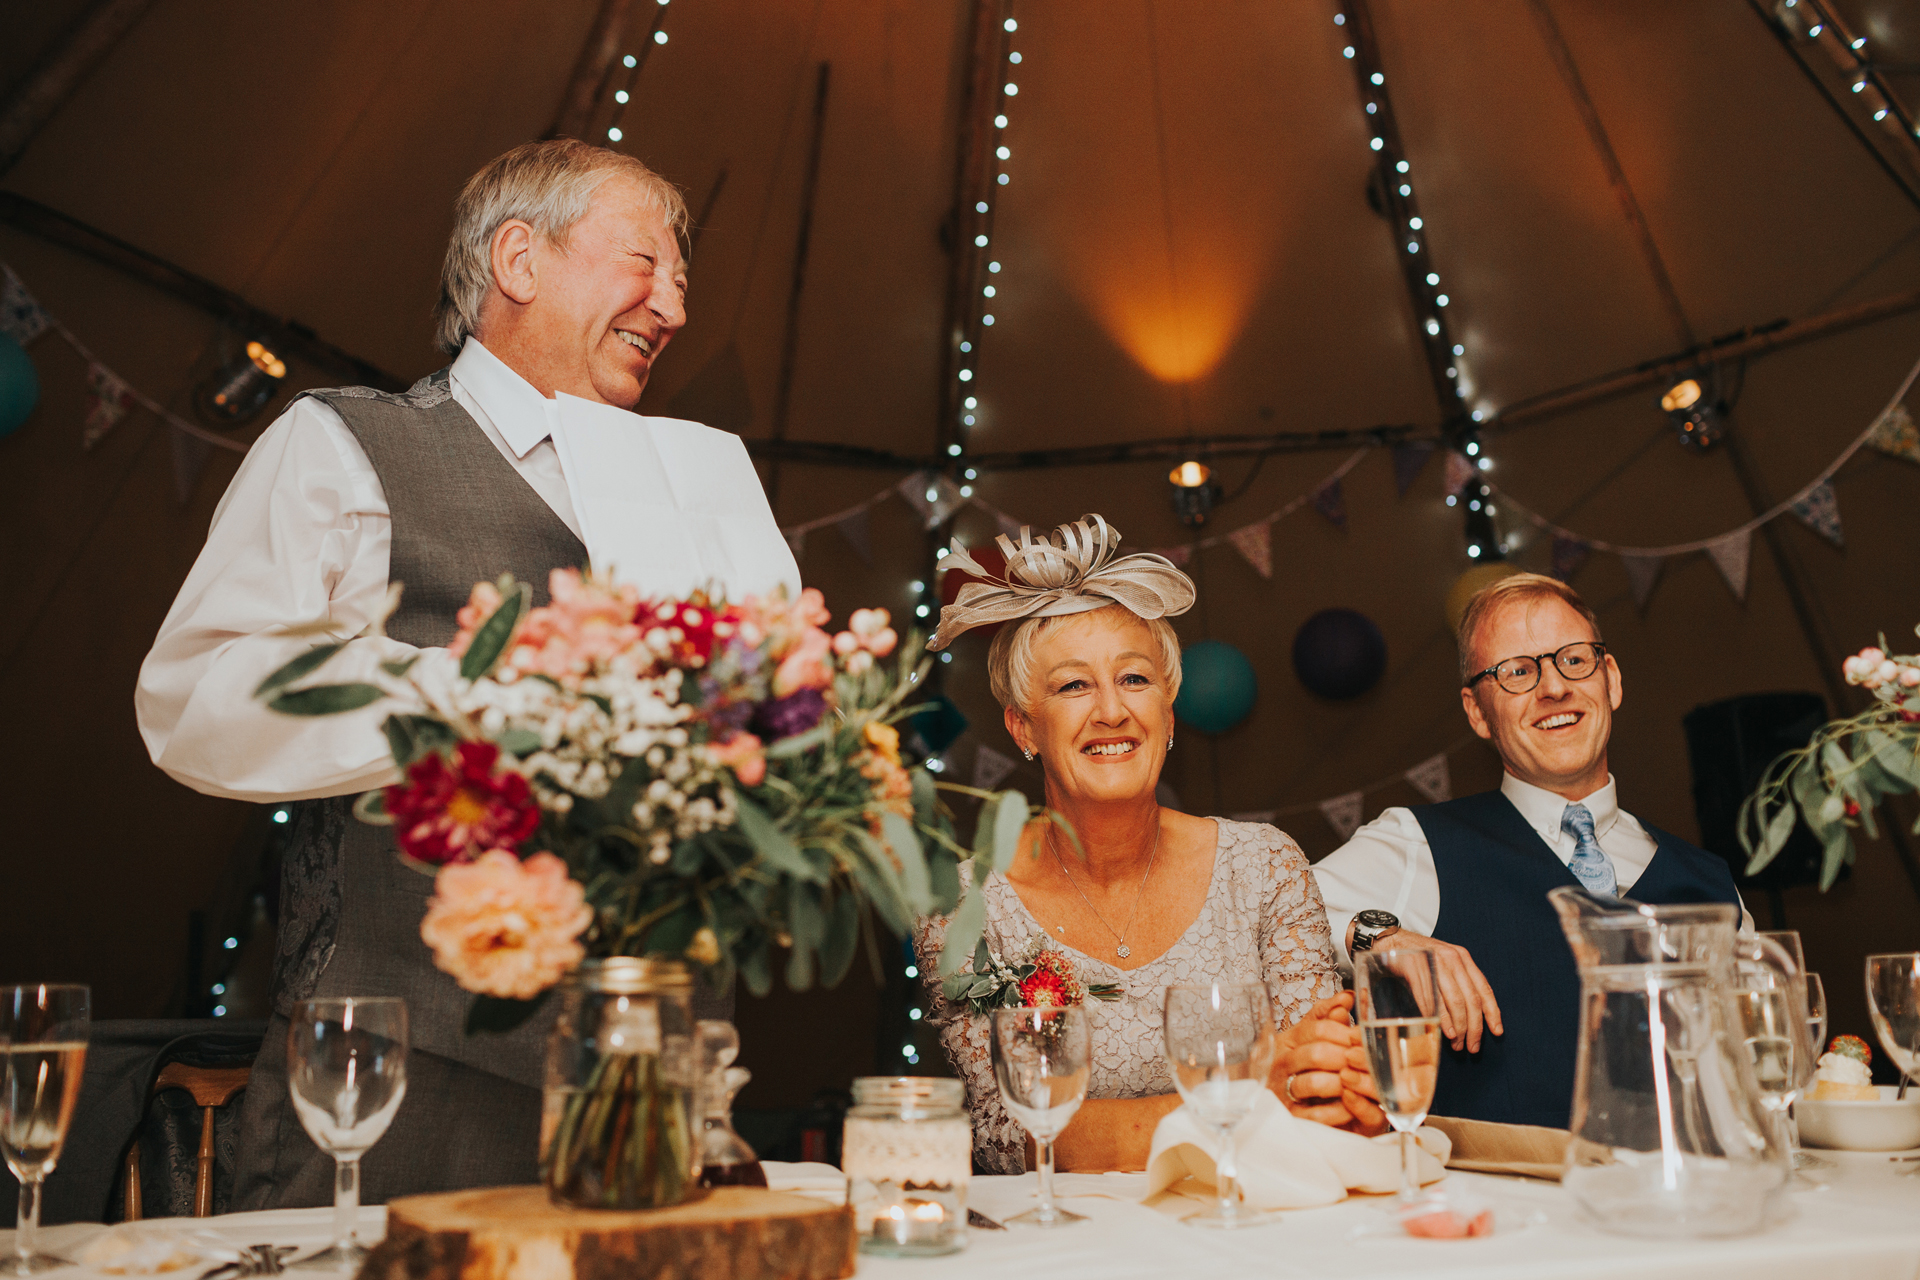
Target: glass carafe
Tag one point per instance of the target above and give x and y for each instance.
(725, 1158)
(1671, 1132)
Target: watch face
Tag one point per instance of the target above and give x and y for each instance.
(1373, 919)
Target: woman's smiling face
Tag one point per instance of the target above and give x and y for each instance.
(1098, 709)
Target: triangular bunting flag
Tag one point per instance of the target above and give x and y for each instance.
(1008, 525)
(857, 529)
(1343, 813)
(1642, 573)
(1178, 555)
(797, 542)
(1330, 502)
(1821, 512)
(108, 400)
(932, 495)
(1732, 556)
(1896, 434)
(990, 768)
(1431, 779)
(1569, 554)
(21, 318)
(1460, 470)
(1255, 542)
(1409, 460)
(1256, 815)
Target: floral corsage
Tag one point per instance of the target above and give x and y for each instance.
(1035, 976)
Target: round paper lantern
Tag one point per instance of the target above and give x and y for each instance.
(1339, 653)
(19, 386)
(1470, 582)
(1217, 687)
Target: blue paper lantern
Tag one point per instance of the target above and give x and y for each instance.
(1339, 653)
(1217, 687)
(19, 385)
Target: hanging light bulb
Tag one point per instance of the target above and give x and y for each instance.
(1696, 411)
(242, 387)
(1194, 492)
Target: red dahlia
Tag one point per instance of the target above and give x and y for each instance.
(1043, 989)
(454, 810)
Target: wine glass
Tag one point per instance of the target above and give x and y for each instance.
(1893, 999)
(1221, 1046)
(1042, 1059)
(1789, 940)
(1395, 1003)
(1767, 1028)
(347, 1069)
(43, 1050)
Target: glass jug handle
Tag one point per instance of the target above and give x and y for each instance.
(1755, 952)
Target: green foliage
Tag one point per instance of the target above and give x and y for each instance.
(327, 699)
(304, 665)
(411, 737)
(490, 641)
(1833, 784)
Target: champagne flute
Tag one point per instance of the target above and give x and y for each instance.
(43, 1050)
(1767, 1017)
(1221, 1046)
(1395, 1002)
(347, 1069)
(1042, 1059)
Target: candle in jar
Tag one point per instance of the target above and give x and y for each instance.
(915, 1222)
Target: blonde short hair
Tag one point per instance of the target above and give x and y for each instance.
(549, 185)
(1010, 657)
(1515, 587)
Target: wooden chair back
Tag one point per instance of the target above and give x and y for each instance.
(210, 1087)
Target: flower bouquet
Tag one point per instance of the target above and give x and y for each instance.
(694, 779)
(1846, 769)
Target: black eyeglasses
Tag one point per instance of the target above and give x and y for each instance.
(1575, 661)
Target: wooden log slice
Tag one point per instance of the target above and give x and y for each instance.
(517, 1233)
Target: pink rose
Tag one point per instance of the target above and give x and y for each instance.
(741, 753)
(503, 927)
(870, 628)
(480, 606)
(806, 665)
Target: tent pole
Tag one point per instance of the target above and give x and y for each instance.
(790, 342)
(588, 80)
(84, 46)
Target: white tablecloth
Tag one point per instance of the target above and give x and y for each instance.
(1864, 1225)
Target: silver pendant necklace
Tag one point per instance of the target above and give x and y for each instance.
(1119, 936)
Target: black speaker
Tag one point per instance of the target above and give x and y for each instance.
(1729, 745)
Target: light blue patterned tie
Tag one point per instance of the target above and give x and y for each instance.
(1591, 866)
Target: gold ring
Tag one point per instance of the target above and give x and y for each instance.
(1289, 1090)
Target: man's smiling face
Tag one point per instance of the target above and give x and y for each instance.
(1555, 735)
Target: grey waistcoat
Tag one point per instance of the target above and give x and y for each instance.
(350, 910)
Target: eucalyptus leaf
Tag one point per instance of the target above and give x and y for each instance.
(769, 841)
(900, 837)
(756, 970)
(799, 967)
(490, 641)
(803, 742)
(875, 875)
(841, 937)
(519, 742)
(1838, 852)
(305, 664)
(1779, 831)
(963, 931)
(411, 737)
(943, 878)
(925, 797)
(1896, 757)
(399, 667)
(1809, 796)
(327, 699)
(1009, 820)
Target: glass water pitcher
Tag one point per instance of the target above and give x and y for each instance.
(1672, 1132)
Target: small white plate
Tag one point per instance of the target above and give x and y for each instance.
(1885, 1125)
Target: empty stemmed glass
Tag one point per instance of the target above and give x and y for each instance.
(1817, 1039)
(1221, 1046)
(1042, 1059)
(347, 1068)
(1396, 1005)
(1893, 1001)
(43, 1050)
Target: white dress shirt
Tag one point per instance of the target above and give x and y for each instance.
(303, 533)
(1388, 864)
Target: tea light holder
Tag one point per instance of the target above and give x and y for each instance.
(908, 1154)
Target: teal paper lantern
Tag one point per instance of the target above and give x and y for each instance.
(1217, 687)
(19, 386)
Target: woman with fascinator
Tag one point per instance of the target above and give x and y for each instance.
(1087, 667)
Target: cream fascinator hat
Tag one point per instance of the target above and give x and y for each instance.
(1075, 570)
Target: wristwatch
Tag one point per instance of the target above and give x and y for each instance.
(1372, 925)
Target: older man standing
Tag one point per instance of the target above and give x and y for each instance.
(563, 283)
(1469, 878)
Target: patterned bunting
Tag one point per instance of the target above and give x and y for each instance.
(1460, 471)
(931, 494)
(1569, 554)
(1255, 542)
(990, 767)
(858, 529)
(1343, 813)
(21, 318)
(1642, 573)
(1431, 779)
(1409, 460)
(108, 399)
(1896, 434)
(1331, 502)
(1732, 555)
(1178, 555)
(1820, 510)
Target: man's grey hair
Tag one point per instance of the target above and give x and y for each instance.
(548, 185)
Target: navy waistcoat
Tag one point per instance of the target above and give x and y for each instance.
(1495, 872)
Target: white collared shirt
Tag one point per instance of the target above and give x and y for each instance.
(303, 533)
(1389, 865)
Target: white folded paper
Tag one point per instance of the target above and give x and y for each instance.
(1285, 1162)
(155, 1247)
(814, 1180)
(669, 506)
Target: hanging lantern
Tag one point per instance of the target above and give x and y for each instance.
(241, 388)
(1696, 410)
(1194, 492)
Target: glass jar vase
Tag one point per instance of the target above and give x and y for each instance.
(907, 1151)
(617, 1130)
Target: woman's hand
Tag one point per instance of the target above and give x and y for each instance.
(1321, 1072)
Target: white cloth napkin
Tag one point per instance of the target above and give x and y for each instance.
(1285, 1162)
(150, 1248)
(667, 505)
(816, 1181)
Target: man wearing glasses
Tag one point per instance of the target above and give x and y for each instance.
(1468, 879)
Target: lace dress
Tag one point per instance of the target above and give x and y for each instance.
(1262, 918)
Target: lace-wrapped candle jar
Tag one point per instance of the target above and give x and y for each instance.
(908, 1153)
